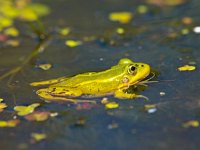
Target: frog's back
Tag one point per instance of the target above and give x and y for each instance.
(91, 77)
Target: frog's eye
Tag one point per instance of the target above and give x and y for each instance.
(131, 69)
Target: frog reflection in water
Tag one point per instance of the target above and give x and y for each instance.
(112, 81)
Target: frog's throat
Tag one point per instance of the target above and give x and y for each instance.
(137, 82)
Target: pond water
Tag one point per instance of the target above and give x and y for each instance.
(156, 38)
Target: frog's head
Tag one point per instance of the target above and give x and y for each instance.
(134, 72)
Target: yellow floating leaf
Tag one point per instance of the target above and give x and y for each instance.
(3, 105)
(39, 9)
(38, 116)
(187, 68)
(13, 43)
(142, 9)
(120, 30)
(13, 123)
(111, 105)
(5, 22)
(3, 123)
(38, 136)
(11, 31)
(28, 15)
(45, 66)
(187, 20)
(122, 17)
(25, 110)
(9, 123)
(185, 31)
(9, 11)
(191, 123)
(64, 31)
(149, 106)
(72, 43)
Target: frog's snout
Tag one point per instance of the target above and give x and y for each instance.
(143, 71)
(146, 69)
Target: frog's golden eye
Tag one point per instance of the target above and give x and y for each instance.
(131, 69)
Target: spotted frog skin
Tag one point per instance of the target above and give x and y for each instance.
(111, 81)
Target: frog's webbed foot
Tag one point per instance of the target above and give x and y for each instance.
(44, 94)
(122, 95)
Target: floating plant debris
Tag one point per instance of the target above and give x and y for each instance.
(187, 68)
(25, 110)
(122, 17)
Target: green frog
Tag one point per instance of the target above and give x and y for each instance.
(113, 81)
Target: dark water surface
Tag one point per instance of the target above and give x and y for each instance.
(146, 40)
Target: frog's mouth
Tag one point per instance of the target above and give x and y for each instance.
(147, 79)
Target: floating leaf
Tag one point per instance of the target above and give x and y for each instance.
(11, 32)
(28, 15)
(11, 10)
(187, 68)
(120, 30)
(142, 9)
(185, 31)
(9, 123)
(191, 123)
(72, 43)
(45, 66)
(111, 105)
(13, 43)
(122, 17)
(2, 106)
(5, 22)
(1, 100)
(187, 20)
(64, 31)
(39, 9)
(38, 116)
(25, 110)
(38, 136)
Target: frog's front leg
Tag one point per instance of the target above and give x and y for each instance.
(61, 94)
(123, 95)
